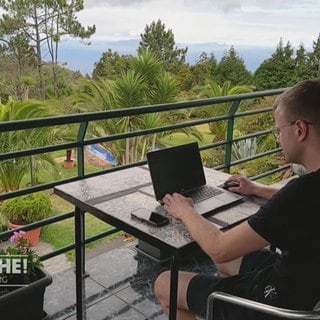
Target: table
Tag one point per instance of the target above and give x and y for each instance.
(111, 197)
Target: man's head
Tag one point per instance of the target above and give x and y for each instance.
(297, 119)
(302, 101)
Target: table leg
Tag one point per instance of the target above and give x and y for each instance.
(173, 287)
(79, 249)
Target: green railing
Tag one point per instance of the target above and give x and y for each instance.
(83, 120)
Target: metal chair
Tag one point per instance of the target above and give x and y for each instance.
(260, 307)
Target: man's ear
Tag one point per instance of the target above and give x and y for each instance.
(302, 129)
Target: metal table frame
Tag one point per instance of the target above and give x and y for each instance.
(80, 269)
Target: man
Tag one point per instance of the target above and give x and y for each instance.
(290, 221)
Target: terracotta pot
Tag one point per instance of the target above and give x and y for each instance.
(32, 235)
(67, 164)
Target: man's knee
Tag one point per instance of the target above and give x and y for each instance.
(230, 268)
(162, 286)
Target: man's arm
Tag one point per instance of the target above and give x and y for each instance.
(264, 191)
(220, 246)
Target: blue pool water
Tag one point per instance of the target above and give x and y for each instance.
(102, 153)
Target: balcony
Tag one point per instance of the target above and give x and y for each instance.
(119, 280)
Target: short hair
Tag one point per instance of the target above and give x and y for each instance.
(302, 101)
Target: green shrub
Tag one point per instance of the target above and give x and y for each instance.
(28, 208)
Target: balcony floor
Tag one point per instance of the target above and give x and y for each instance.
(118, 286)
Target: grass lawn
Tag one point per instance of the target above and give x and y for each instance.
(61, 233)
(180, 138)
(49, 175)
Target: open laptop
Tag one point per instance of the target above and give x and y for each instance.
(179, 169)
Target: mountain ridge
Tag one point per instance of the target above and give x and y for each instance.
(82, 58)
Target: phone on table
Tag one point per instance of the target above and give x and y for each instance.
(153, 218)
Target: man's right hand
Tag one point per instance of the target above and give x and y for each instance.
(250, 188)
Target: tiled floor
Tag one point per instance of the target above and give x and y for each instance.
(118, 286)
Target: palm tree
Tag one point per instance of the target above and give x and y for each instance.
(218, 128)
(213, 89)
(144, 83)
(13, 170)
(92, 95)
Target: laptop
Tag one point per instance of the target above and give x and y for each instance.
(179, 169)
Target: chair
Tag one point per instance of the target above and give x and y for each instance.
(260, 307)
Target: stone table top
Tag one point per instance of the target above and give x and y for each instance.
(113, 196)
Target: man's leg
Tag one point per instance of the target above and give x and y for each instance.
(162, 292)
(162, 287)
(230, 268)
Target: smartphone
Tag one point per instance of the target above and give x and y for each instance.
(153, 218)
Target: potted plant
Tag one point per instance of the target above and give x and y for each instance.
(27, 209)
(68, 162)
(22, 280)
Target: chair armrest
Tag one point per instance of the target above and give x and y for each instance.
(258, 306)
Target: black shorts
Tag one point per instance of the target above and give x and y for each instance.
(251, 283)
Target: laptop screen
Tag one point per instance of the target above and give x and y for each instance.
(176, 169)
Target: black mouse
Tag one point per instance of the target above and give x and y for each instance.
(230, 184)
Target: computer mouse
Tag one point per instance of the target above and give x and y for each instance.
(230, 184)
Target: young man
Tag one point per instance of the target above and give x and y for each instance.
(290, 221)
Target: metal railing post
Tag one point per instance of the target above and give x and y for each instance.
(230, 127)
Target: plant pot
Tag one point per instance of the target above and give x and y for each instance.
(67, 164)
(32, 235)
(26, 302)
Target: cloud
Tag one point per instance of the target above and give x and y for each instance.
(261, 22)
(225, 5)
(113, 3)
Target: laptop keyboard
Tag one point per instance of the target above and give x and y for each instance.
(203, 193)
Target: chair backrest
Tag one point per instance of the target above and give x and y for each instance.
(260, 307)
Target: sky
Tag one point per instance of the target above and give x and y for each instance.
(237, 22)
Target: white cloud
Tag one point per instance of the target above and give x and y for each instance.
(258, 22)
(117, 3)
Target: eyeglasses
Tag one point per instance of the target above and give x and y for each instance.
(276, 131)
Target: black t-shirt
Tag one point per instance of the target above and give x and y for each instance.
(291, 222)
